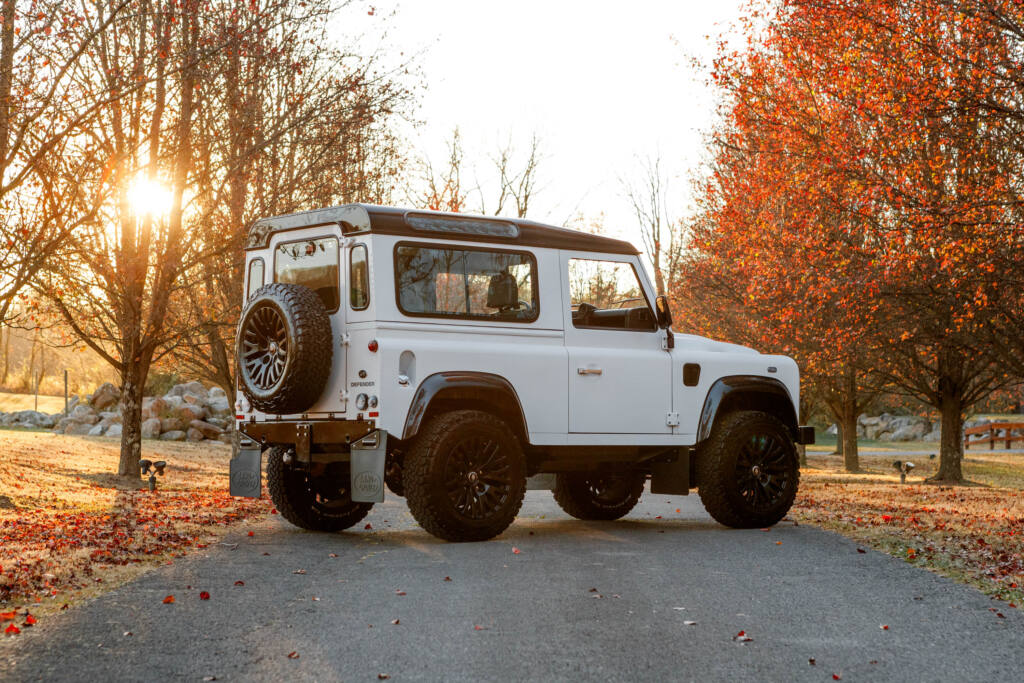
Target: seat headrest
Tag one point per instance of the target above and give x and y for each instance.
(502, 291)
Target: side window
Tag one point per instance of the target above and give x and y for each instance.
(255, 277)
(608, 295)
(358, 278)
(313, 263)
(469, 283)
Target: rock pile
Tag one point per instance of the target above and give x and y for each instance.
(188, 412)
(886, 427)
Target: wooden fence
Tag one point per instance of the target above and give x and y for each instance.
(991, 430)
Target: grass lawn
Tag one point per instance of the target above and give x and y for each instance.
(10, 403)
(972, 533)
(70, 529)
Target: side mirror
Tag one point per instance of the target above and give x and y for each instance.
(664, 312)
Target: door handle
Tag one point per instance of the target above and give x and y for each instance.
(588, 371)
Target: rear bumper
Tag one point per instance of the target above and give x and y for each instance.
(311, 432)
(805, 435)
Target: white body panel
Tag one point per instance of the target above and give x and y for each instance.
(640, 383)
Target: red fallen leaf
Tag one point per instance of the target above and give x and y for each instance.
(399, 592)
(252, 534)
(204, 595)
(478, 627)
(293, 655)
(273, 511)
(884, 627)
(861, 550)
(1000, 615)
(515, 551)
(742, 637)
(383, 677)
(678, 510)
(658, 517)
(837, 677)
(8, 616)
(12, 630)
(812, 661)
(239, 583)
(30, 620)
(396, 622)
(886, 518)
(368, 526)
(64, 606)
(447, 578)
(169, 599)
(333, 555)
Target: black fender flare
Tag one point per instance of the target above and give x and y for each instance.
(463, 386)
(749, 392)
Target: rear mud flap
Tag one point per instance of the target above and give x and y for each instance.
(368, 455)
(245, 476)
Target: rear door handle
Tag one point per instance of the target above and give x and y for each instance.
(588, 371)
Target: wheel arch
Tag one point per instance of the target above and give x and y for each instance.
(444, 391)
(747, 392)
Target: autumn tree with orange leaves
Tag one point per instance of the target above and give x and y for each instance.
(862, 200)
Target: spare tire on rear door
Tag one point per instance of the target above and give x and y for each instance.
(284, 348)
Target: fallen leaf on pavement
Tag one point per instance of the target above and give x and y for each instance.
(333, 555)
(204, 595)
(447, 578)
(837, 677)
(368, 526)
(861, 551)
(239, 583)
(30, 620)
(515, 551)
(478, 627)
(299, 571)
(690, 623)
(169, 599)
(293, 655)
(884, 627)
(12, 630)
(383, 677)
(742, 637)
(399, 592)
(812, 661)
(127, 634)
(251, 533)
(395, 622)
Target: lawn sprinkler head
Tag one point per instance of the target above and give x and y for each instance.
(904, 467)
(158, 468)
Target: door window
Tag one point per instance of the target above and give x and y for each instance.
(607, 295)
(313, 263)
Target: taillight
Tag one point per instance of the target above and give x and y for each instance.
(373, 346)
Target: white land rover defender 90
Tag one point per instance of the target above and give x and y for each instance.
(460, 358)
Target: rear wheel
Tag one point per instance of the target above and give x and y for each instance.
(748, 470)
(600, 495)
(318, 500)
(465, 476)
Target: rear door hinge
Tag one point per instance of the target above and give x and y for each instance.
(672, 419)
(346, 339)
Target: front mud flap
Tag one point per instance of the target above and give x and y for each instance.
(367, 472)
(245, 475)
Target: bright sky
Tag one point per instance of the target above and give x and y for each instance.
(603, 84)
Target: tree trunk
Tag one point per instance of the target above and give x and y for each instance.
(131, 422)
(839, 438)
(951, 443)
(848, 431)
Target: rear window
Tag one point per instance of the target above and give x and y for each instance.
(476, 284)
(313, 263)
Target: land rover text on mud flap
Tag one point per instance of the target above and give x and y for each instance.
(463, 359)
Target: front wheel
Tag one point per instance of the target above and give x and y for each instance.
(748, 470)
(465, 476)
(318, 499)
(609, 495)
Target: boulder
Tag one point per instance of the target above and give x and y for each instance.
(73, 402)
(78, 428)
(151, 428)
(219, 406)
(107, 395)
(911, 432)
(194, 388)
(216, 392)
(114, 430)
(171, 424)
(177, 435)
(208, 430)
(111, 417)
(866, 420)
(189, 412)
(85, 415)
(221, 422)
(194, 434)
(97, 429)
(172, 403)
(194, 399)
(155, 407)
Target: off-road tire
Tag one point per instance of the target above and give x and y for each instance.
(584, 495)
(721, 473)
(432, 480)
(307, 334)
(292, 495)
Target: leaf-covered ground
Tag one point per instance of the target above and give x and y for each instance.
(972, 533)
(69, 529)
